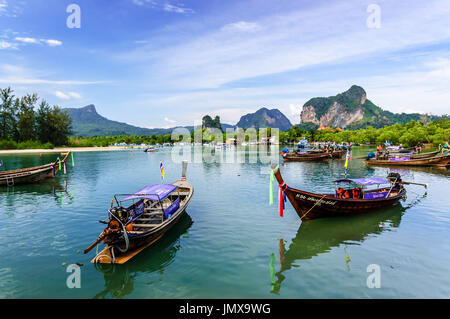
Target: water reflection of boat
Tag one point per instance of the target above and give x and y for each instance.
(49, 187)
(318, 237)
(119, 279)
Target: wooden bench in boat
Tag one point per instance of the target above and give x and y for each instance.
(146, 225)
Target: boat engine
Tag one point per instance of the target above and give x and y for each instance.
(119, 213)
(394, 177)
(396, 180)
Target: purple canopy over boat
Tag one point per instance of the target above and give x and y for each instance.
(153, 192)
(364, 181)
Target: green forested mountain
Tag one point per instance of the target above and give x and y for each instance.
(87, 122)
(265, 118)
(352, 110)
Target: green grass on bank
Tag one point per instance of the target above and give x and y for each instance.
(12, 145)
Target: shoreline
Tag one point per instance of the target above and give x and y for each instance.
(65, 149)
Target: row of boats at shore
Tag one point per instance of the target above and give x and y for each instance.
(388, 156)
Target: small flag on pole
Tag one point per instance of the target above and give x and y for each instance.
(347, 157)
(161, 167)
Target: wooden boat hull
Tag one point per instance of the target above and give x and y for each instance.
(303, 158)
(312, 206)
(330, 206)
(338, 154)
(441, 160)
(419, 155)
(30, 175)
(140, 242)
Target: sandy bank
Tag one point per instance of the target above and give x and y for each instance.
(65, 149)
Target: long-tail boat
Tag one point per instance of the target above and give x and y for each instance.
(151, 212)
(120, 280)
(415, 155)
(338, 153)
(32, 174)
(305, 157)
(437, 160)
(350, 199)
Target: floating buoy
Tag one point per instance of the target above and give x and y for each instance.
(40, 154)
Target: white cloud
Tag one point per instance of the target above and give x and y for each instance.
(68, 95)
(329, 34)
(164, 6)
(242, 26)
(13, 74)
(172, 8)
(7, 45)
(51, 42)
(143, 2)
(3, 7)
(10, 11)
(27, 40)
(423, 89)
(169, 120)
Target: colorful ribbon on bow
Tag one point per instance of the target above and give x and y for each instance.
(272, 177)
(283, 189)
(71, 156)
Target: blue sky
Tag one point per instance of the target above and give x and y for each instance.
(161, 63)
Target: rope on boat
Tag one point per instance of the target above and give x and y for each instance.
(313, 206)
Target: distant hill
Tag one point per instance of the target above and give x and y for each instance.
(87, 122)
(208, 122)
(265, 118)
(352, 110)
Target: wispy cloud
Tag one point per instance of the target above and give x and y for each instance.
(166, 6)
(422, 89)
(177, 9)
(49, 42)
(242, 26)
(7, 45)
(333, 33)
(9, 11)
(169, 120)
(13, 74)
(27, 40)
(68, 95)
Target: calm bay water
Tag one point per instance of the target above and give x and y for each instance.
(222, 246)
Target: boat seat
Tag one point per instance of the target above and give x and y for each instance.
(146, 219)
(182, 193)
(146, 225)
(153, 214)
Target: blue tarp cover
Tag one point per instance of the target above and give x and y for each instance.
(364, 181)
(153, 192)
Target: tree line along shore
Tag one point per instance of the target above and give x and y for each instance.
(30, 123)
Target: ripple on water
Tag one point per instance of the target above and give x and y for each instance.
(223, 246)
